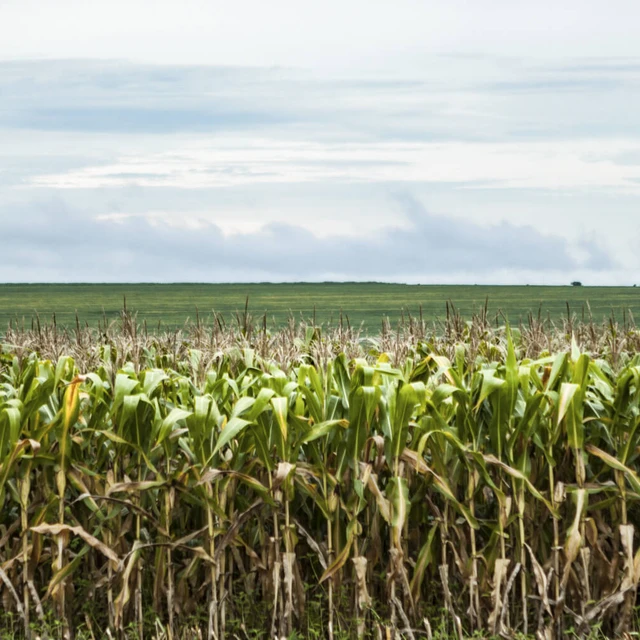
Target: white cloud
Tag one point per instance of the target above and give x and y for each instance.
(536, 151)
(243, 222)
(237, 162)
(337, 34)
(427, 248)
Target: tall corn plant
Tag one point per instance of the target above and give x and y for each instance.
(499, 489)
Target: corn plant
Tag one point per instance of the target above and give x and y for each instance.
(466, 485)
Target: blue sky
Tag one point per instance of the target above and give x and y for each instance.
(493, 142)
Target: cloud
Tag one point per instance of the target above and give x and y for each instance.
(50, 242)
(532, 159)
(555, 84)
(98, 96)
(331, 34)
(141, 120)
(225, 161)
(448, 99)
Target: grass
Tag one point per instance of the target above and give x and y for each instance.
(172, 304)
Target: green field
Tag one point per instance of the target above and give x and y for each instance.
(173, 304)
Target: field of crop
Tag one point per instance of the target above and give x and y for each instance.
(364, 302)
(239, 483)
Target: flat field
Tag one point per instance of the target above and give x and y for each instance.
(173, 304)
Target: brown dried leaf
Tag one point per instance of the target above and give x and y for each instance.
(384, 505)
(135, 487)
(499, 576)
(288, 562)
(444, 577)
(363, 597)
(541, 580)
(63, 529)
(312, 543)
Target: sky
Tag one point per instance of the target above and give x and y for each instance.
(426, 141)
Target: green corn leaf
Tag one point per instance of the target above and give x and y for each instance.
(322, 429)
(169, 423)
(230, 430)
(614, 463)
(570, 409)
(280, 410)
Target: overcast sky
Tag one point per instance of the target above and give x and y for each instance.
(482, 141)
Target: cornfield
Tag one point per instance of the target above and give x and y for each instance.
(410, 485)
(302, 340)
